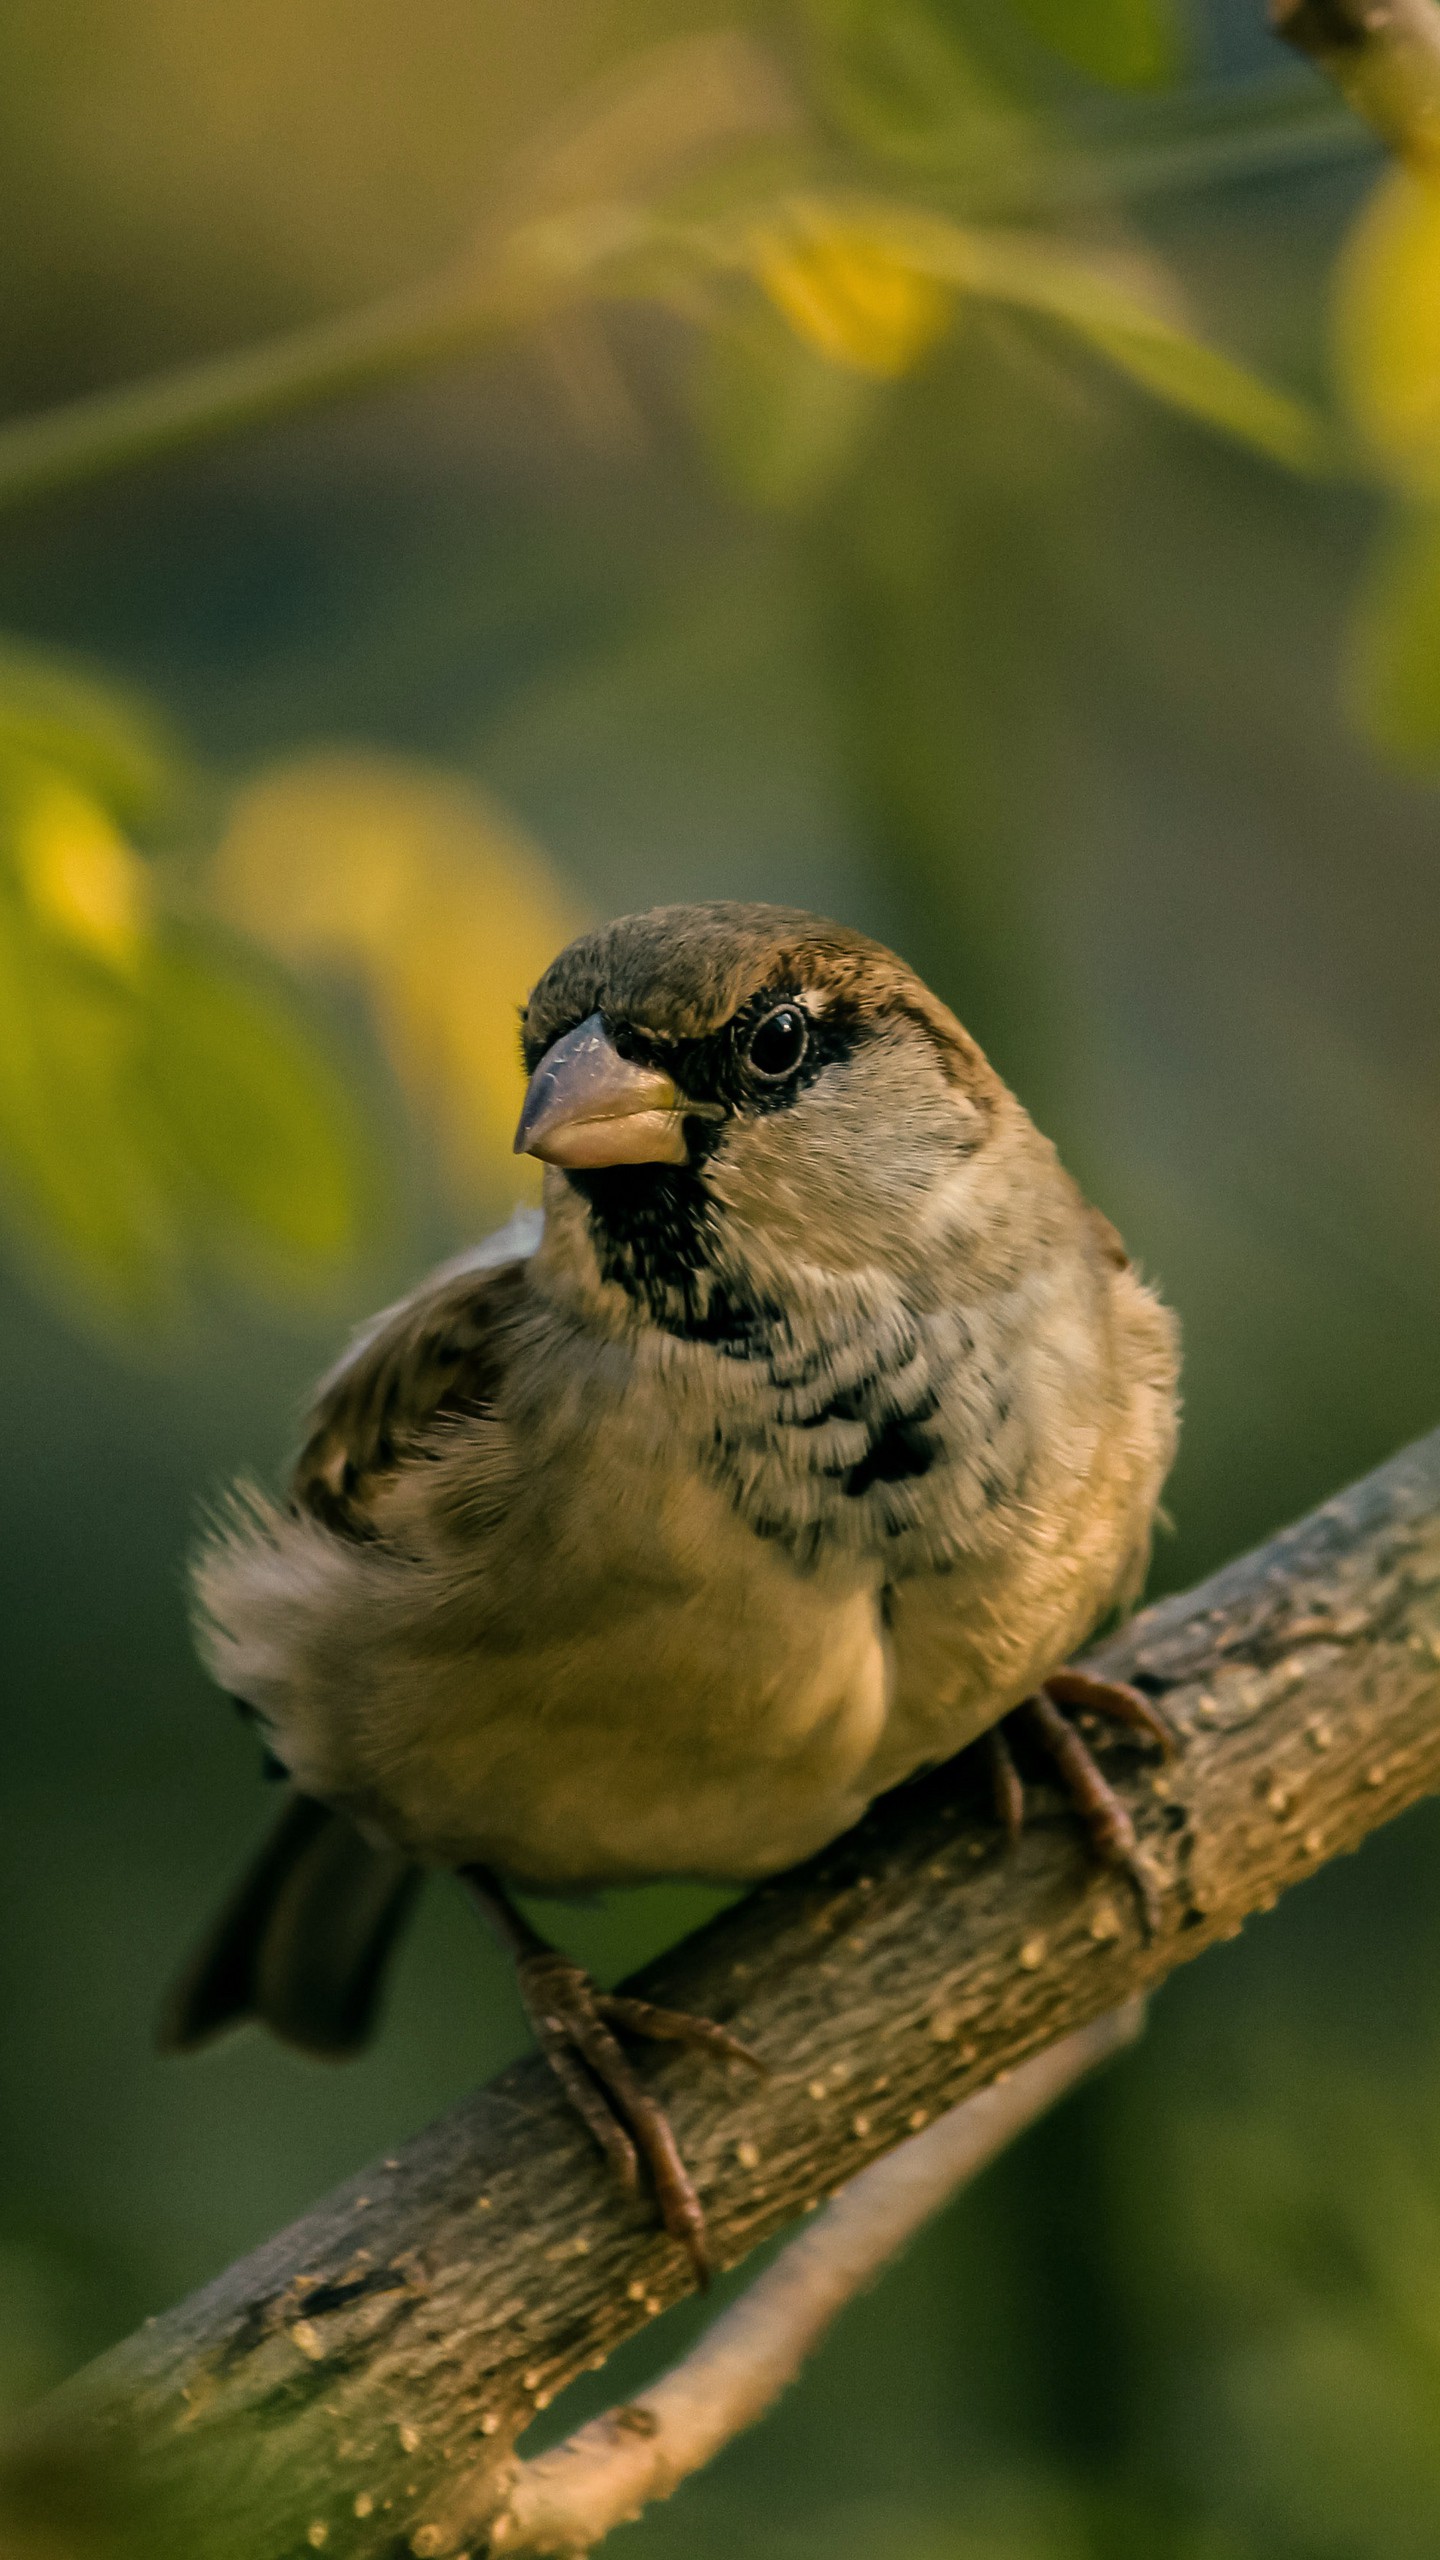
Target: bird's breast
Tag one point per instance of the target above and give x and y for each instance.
(894, 1438)
(703, 1715)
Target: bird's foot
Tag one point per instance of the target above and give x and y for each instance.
(1085, 1694)
(1047, 1717)
(574, 2023)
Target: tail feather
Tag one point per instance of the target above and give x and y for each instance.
(302, 1943)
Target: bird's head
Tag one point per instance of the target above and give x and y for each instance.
(733, 1095)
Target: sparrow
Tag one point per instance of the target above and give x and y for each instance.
(797, 1442)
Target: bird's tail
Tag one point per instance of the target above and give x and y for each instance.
(302, 1942)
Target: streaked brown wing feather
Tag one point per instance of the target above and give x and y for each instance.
(439, 1353)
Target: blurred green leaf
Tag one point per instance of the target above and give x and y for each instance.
(251, 1121)
(1122, 314)
(1127, 44)
(96, 734)
(1394, 659)
(781, 425)
(154, 1123)
(75, 1171)
(1126, 321)
(82, 882)
(897, 79)
(1213, 389)
(158, 1109)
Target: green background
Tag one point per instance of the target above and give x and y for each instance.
(1046, 691)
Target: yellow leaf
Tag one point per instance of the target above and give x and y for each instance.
(847, 293)
(1123, 313)
(76, 1176)
(53, 712)
(412, 883)
(155, 1123)
(1387, 327)
(161, 1109)
(82, 880)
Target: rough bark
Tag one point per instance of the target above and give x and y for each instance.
(567, 2500)
(357, 2384)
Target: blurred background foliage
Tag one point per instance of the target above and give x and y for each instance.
(971, 469)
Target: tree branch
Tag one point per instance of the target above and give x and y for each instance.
(1384, 58)
(331, 2389)
(568, 2500)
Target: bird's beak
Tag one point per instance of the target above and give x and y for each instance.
(586, 1105)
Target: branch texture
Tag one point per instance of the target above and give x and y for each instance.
(336, 2389)
(568, 2500)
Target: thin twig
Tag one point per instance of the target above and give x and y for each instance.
(667, 109)
(568, 2500)
(488, 296)
(387, 341)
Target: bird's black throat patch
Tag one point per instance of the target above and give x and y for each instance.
(653, 1229)
(775, 1452)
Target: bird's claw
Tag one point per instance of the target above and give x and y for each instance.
(1103, 1811)
(574, 2023)
(1086, 1694)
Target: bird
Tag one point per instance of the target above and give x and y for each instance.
(792, 1446)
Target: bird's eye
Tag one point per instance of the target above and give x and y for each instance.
(777, 1045)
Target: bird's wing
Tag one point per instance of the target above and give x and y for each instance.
(437, 1354)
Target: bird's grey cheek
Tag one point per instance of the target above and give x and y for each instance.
(752, 1196)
